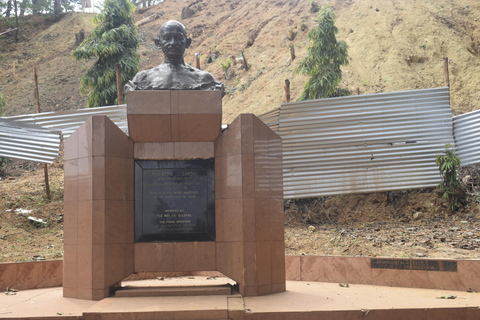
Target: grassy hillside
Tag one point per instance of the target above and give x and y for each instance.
(394, 46)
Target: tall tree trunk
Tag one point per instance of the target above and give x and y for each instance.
(9, 8)
(57, 9)
(149, 3)
(35, 7)
(16, 21)
(23, 6)
(144, 3)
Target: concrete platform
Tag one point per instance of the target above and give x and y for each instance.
(303, 300)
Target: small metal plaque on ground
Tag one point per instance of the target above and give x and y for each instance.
(414, 264)
(174, 200)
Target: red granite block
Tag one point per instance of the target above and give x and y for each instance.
(85, 178)
(99, 270)
(249, 220)
(52, 274)
(70, 267)
(292, 268)
(154, 150)
(117, 143)
(247, 133)
(70, 187)
(358, 270)
(84, 266)
(70, 222)
(151, 257)
(194, 256)
(70, 147)
(119, 179)
(228, 177)
(8, 278)
(199, 127)
(311, 268)
(250, 263)
(84, 222)
(224, 261)
(150, 128)
(149, 102)
(263, 263)
(194, 150)
(98, 222)
(230, 141)
(278, 262)
(84, 140)
(98, 178)
(199, 102)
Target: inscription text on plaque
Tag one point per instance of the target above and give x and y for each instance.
(174, 200)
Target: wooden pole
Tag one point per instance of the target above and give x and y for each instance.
(47, 184)
(445, 70)
(358, 91)
(197, 59)
(37, 96)
(244, 62)
(287, 90)
(290, 35)
(292, 52)
(118, 68)
(37, 101)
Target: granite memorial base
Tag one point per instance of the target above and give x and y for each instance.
(175, 195)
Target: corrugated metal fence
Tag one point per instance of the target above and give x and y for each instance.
(355, 144)
(36, 137)
(366, 143)
(28, 141)
(70, 120)
(466, 130)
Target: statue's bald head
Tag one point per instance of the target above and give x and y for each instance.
(173, 24)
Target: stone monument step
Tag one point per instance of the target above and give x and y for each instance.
(222, 290)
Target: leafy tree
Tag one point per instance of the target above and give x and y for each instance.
(325, 56)
(450, 185)
(113, 41)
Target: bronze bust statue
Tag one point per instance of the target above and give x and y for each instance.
(173, 73)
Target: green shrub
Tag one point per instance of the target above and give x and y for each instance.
(450, 185)
(226, 64)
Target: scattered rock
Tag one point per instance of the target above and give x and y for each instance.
(311, 229)
(447, 296)
(10, 291)
(187, 13)
(417, 215)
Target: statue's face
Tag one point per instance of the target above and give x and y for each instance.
(173, 40)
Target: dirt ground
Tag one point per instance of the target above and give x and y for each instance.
(393, 46)
(22, 194)
(412, 223)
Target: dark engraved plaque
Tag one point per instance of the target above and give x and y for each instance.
(414, 264)
(434, 265)
(403, 264)
(174, 200)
